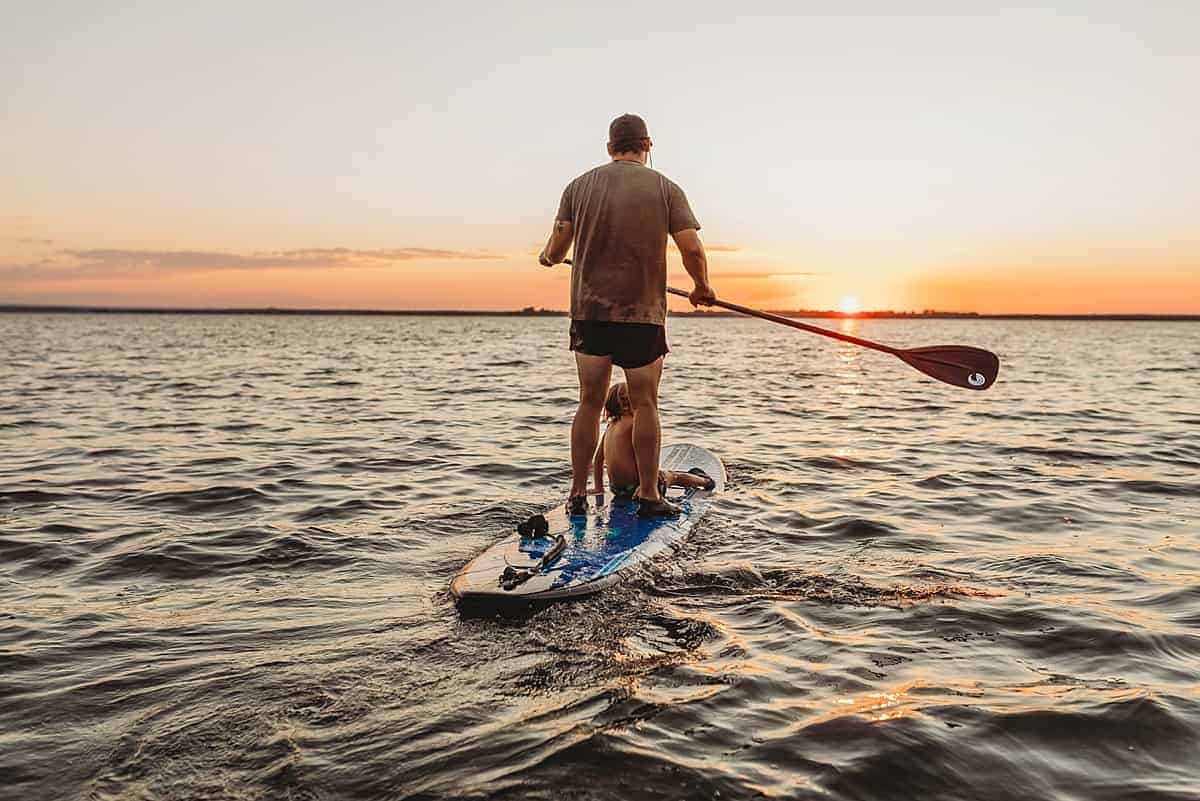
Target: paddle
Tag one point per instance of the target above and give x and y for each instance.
(960, 365)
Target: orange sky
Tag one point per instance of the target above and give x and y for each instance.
(991, 160)
(512, 282)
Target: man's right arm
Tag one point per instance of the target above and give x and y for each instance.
(562, 233)
(696, 264)
(558, 244)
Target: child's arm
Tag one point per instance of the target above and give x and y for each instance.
(598, 465)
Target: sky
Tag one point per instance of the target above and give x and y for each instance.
(956, 156)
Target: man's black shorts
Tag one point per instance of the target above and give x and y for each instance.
(629, 344)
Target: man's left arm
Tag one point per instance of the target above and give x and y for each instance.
(558, 244)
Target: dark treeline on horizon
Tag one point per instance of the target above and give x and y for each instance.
(529, 311)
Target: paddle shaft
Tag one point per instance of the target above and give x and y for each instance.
(788, 321)
(958, 365)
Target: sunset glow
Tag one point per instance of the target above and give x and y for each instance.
(416, 176)
(849, 305)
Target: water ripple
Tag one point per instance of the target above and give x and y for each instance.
(225, 545)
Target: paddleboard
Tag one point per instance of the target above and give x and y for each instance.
(594, 550)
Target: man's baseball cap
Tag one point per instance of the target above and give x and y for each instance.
(626, 127)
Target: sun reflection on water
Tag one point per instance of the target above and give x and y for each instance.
(848, 369)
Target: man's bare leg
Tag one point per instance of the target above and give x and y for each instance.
(594, 374)
(647, 435)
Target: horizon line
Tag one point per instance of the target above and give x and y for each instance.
(530, 311)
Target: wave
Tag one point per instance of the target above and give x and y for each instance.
(208, 500)
(213, 555)
(31, 497)
(1175, 488)
(743, 581)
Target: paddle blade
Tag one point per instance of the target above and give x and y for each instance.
(962, 366)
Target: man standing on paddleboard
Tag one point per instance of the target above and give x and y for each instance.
(618, 216)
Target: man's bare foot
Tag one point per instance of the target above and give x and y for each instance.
(658, 508)
(577, 505)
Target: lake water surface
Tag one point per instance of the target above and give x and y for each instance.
(226, 542)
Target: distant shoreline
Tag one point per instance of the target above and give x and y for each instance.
(14, 308)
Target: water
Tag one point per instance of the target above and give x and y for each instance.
(225, 544)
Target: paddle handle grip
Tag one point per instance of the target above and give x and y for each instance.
(788, 321)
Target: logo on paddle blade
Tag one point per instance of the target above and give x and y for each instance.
(976, 379)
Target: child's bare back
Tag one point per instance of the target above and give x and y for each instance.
(619, 456)
(617, 453)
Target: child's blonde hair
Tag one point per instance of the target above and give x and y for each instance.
(617, 401)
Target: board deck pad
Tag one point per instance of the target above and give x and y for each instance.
(601, 546)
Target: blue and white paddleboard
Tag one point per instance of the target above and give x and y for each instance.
(599, 547)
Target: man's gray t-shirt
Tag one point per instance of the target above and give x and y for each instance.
(621, 214)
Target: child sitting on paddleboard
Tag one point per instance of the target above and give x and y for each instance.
(616, 450)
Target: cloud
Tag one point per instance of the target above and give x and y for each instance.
(307, 257)
(95, 263)
(756, 276)
(108, 263)
(534, 250)
(710, 248)
(389, 254)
